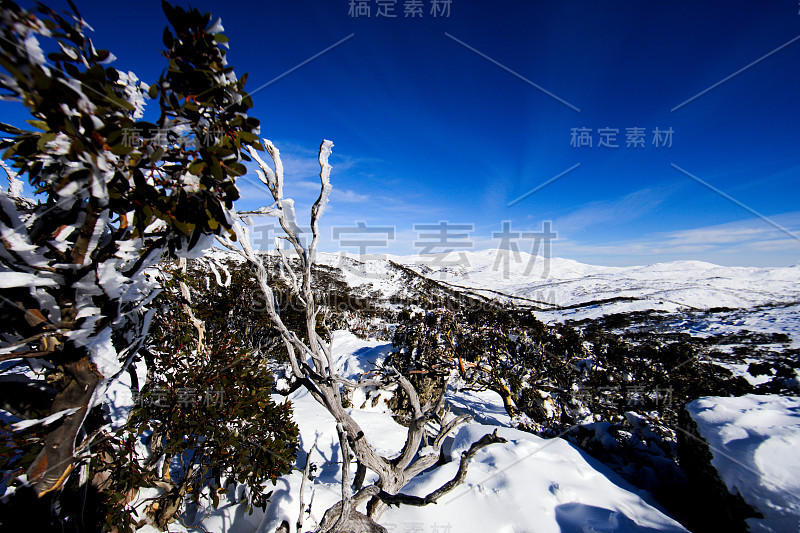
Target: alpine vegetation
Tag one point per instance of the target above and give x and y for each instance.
(162, 371)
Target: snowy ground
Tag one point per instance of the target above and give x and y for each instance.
(527, 484)
(783, 319)
(754, 440)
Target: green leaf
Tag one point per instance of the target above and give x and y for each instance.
(247, 136)
(216, 169)
(58, 56)
(197, 167)
(74, 9)
(184, 227)
(232, 192)
(119, 101)
(236, 169)
(44, 139)
(121, 149)
(39, 124)
(72, 70)
(7, 128)
(102, 55)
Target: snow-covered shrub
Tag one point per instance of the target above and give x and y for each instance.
(617, 399)
(533, 368)
(207, 417)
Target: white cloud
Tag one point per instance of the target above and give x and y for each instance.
(720, 235)
(344, 195)
(751, 242)
(611, 212)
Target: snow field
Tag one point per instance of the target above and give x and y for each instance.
(755, 440)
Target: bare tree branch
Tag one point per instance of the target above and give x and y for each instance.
(312, 367)
(461, 474)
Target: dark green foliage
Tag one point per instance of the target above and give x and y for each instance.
(557, 375)
(239, 306)
(236, 308)
(209, 414)
(215, 407)
(84, 104)
(504, 350)
(616, 396)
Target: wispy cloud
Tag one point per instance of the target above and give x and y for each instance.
(301, 176)
(748, 242)
(344, 195)
(612, 212)
(719, 235)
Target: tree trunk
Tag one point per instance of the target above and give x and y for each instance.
(55, 461)
(356, 522)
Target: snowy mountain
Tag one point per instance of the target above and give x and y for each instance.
(565, 289)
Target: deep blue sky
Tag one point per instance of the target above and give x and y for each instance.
(427, 130)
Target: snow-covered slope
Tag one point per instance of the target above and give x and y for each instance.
(527, 484)
(534, 484)
(577, 289)
(754, 440)
(531, 484)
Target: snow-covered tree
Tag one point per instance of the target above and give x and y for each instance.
(112, 194)
(311, 366)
